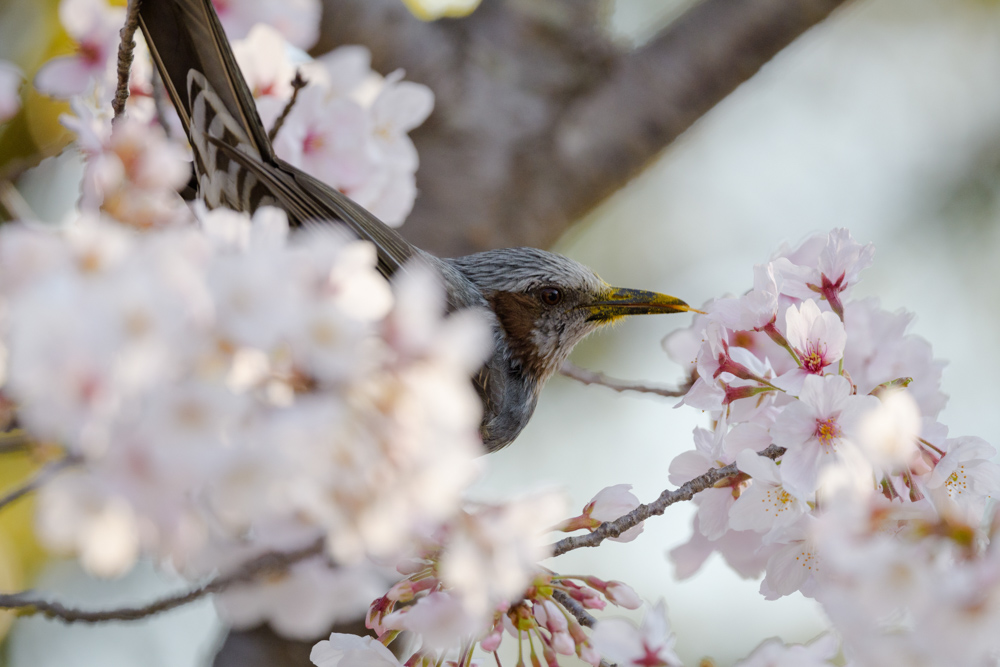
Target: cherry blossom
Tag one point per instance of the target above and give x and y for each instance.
(825, 264)
(823, 421)
(491, 555)
(649, 645)
(967, 473)
(818, 339)
(94, 25)
(609, 504)
(764, 505)
(795, 564)
(133, 174)
(888, 435)
(296, 20)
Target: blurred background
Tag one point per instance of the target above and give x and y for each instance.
(883, 118)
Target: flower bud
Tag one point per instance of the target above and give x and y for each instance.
(623, 595)
(562, 643)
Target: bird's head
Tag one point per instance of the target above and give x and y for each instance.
(547, 303)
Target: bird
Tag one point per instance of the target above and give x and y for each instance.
(540, 304)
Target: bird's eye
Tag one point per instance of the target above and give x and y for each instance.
(550, 296)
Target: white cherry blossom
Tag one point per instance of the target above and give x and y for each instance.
(814, 428)
(649, 645)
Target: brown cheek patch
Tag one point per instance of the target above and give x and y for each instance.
(517, 314)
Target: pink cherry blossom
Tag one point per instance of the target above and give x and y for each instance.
(297, 20)
(795, 564)
(814, 428)
(94, 25)
(818, 339)
(755, 309)
(967, 472)
(264, 61)
(612, 502)
(327, 138)
(764, 505)
(649, 645)
(825, 264)
(880, 350)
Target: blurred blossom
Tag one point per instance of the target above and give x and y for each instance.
(773, 653)
(649, 645)
(124, 346)
(889, 434)
(492, 553)
(94, 26)
(10, 87)
(351, 651)
(296, 20)
(133, 173)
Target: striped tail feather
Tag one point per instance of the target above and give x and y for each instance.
(235, 164)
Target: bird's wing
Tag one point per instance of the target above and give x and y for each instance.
(307, 199)
(234, 160)
(185, 35)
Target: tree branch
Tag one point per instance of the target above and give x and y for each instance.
(540, 115)
(266, 564)
(125, 49)
(575, 608)
(686, 491)
(573, 371)
(298, 83)
(45, 474)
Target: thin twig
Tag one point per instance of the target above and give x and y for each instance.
(42, 476)
(686, 491)
(298, 83)
(125, 49)
(571, 370)
(575, 608)
(266, 564)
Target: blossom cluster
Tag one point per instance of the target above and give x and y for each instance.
(862, 500)
(348, 125)
(227, 389)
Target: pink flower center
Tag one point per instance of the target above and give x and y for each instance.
(91, 53)
(827, 431)
(814, 358)
(313, 143)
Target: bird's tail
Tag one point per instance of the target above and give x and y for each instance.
(234, 161)
(199, 71)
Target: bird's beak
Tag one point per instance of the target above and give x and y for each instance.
(619, 301)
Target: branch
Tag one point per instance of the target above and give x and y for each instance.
(540, 115)
(125, 57)
(686, 491)
(575, 608)
(42, 476)
(298, 83)
(571, 370)
(662, 88)
(267, 564)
